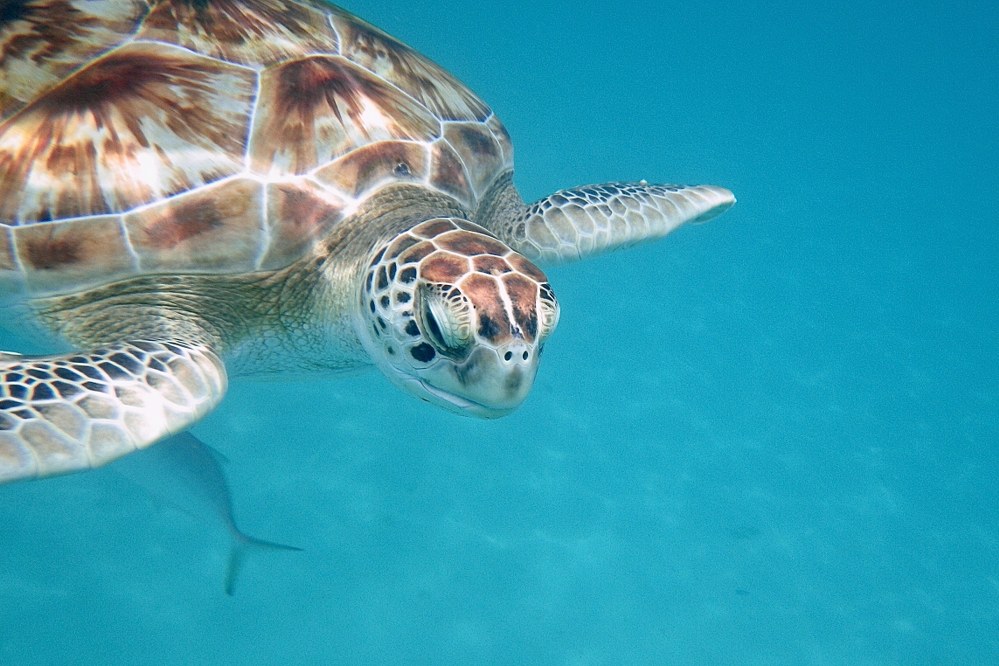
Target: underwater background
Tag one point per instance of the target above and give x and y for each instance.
(769, 439)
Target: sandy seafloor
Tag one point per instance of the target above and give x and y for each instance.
(770, 439)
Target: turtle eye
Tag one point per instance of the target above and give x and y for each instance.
(446, 320)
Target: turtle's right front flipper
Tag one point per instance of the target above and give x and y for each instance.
(72, 412)
(583, 221)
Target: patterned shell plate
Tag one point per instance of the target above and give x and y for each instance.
(211, 136)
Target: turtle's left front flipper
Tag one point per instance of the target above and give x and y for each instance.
(575, 223)
(72, 412)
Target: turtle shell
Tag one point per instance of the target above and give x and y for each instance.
(211, 136)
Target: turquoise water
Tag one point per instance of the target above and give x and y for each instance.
(768, 439)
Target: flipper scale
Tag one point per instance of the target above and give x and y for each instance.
(579, 222)
(75, 411)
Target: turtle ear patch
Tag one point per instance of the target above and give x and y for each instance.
(387, 296)
(491, 265)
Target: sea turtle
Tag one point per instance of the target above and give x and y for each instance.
(195, 188)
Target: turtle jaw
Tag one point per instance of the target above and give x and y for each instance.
(451, 402)
(489, 384)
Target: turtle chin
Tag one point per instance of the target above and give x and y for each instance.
(483, 385)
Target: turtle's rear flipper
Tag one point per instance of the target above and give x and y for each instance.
(76, 411)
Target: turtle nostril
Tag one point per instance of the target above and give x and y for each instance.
(507, 356)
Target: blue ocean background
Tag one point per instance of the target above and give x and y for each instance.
(769, 439)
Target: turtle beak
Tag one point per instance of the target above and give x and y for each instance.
(490, 383)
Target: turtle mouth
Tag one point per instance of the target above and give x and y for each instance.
(452, 402)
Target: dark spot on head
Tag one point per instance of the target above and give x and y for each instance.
(412, 329)
(407, 275)
(42, 392)
(391, 270)
(17, 391)
(531, 325)
(491, 265)
(423, 352)
(444, 267)
(378, 257)
(402, 169)
(402, 297)
(369, 280)
(385, 301)
(382, 278)
(487, 327)
(371, 304)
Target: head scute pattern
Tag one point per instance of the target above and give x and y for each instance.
(447, 293)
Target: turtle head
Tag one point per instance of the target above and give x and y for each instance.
(456, 317)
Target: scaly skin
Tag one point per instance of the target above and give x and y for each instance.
(76, 411)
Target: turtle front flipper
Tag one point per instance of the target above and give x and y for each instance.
(71, 412)
(579, 222)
